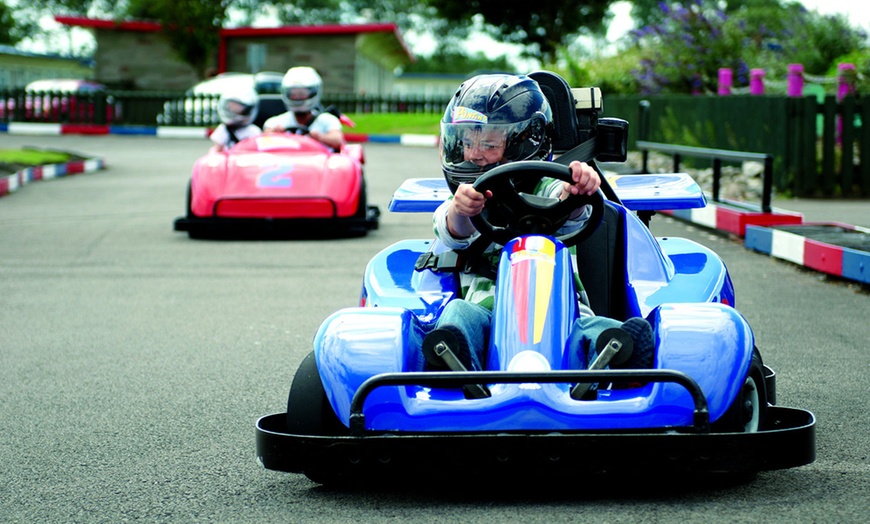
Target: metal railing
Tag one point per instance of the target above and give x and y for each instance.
(717, 156)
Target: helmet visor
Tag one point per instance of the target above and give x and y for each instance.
(234, 112)
(300, 97)
(473, 148)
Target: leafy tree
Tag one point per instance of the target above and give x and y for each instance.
(192, 27)
(651, 12)
(546, 27)
(451, 61)
(13, 26)
(684, 52)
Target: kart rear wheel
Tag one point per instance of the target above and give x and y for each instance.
(189, 201)
(308, 410)
(748, 412)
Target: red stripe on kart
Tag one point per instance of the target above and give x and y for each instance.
(275, 208)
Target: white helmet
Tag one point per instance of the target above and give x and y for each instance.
(300, 89)
(238, 106)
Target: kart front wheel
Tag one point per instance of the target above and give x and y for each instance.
(308, 410)
(748, 412)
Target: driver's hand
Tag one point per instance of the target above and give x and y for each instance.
(586, 180)
(467, 202)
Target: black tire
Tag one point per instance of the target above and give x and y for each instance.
(308, 410)
(360, 217)
(748, 412)
(189, 201)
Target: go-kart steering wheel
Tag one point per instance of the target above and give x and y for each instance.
(297, 129)
(510, 212)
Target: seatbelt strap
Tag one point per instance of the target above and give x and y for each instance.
(234, 139)
(468, 260)
(584, 152)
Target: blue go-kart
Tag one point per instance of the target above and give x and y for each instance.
(361, 406)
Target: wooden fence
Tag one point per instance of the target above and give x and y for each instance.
(817, 147)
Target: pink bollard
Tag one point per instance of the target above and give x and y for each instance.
(725, 81)
(756, 82)
(795, 80)
(846, 75)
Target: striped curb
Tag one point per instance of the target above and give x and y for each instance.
(11, 183)
(734, 218)
(787, 243)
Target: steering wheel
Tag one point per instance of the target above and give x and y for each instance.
(297, 129)
(510, 212)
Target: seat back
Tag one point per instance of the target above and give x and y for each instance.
(268, 106)
(601, 265)
(562, 104)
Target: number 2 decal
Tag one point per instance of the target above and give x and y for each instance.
(276, 178)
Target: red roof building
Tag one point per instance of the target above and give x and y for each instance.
(352, 59)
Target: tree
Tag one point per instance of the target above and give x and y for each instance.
(192, 27)
(651, 12)
(13, 26)
(451, 61)
(684, 52)
(551, 24)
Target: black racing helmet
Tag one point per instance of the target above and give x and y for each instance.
(513, 106)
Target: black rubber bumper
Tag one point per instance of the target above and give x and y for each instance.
(788, 441)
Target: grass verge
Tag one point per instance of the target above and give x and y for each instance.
(395, 123)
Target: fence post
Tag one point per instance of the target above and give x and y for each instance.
(767, 184)
(795, 80)
(756, 82)
(643, 132)
(725, 81)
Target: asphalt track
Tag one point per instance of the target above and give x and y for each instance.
(134, 362)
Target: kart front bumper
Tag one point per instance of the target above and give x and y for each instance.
(787, 441)
(290, 228)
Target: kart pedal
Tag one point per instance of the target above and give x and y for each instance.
(614, 347)
(438, 353)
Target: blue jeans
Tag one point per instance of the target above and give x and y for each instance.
(475, 322)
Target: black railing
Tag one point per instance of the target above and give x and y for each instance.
(717, 156)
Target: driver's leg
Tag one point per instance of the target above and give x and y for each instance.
(469, 325)
(587, 329)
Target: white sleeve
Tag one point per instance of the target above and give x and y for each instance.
(325, 122)
(220, 136)
(442, 232)
(283, 121)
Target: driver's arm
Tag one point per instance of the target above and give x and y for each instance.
(275, 124)
(466, 203)
(333, 138)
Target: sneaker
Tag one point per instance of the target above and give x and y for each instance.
(641, 334)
